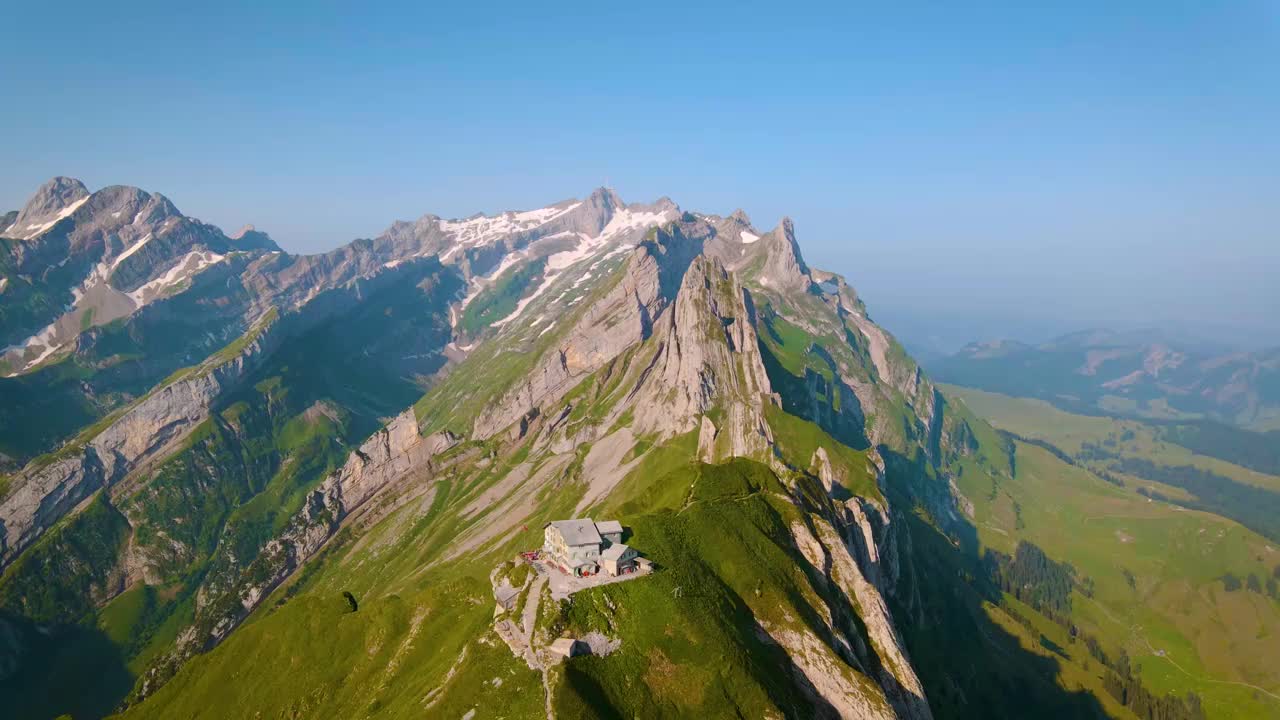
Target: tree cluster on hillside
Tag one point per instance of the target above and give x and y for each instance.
(1254, 507)
(1045, 584)
(1253, 583)
(1125, 685)
(1035, 579)
(1043, 444)
(1254, 450)
(1092, 451)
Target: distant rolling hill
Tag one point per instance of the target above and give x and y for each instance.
(1145, 375)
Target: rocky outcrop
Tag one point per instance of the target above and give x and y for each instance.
(896, 675)
(831, 685)
(394, 454)
(876, 649)
(620, 319)
(49, 205)
(46, 490)
(784, 268)
(708, 358)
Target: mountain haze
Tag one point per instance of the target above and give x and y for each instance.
(1136, 374)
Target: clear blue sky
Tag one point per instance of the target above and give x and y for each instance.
(996, 169)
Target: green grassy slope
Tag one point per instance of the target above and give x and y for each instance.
(202, 513)
(1154, 569)
(691, 644)
(728, 563)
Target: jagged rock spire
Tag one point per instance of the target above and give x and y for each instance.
(784, 266)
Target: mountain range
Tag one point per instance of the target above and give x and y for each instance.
(1136, 374)
(239, 479)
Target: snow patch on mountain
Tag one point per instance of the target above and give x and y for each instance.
(748, 238)
(626, 219)
(132, 249)
(480, 229)
(192, 264)
(106, 303)
(43, 339)
(32, 230)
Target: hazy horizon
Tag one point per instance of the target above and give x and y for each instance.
(976, 173)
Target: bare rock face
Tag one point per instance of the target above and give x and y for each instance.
(46, 207)
(821, 465)
(898, 677)
(391, 453)
(44, 495)
(45, 492)
(784, 268)
(707, 440)
(709, 357)
(619, 320)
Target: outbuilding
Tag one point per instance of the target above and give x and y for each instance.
(567, 647)
(618, 559)
(610, 531)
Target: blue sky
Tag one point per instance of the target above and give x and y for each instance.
(992, 170)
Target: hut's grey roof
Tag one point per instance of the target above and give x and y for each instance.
(614, 552)
(577, 532)
(609, 527)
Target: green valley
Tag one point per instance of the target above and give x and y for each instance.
(1150, 568)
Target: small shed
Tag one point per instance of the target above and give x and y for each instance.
(610, 531)
(566, 647)
(619, 559)
(644, 565)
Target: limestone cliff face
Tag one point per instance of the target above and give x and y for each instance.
(852, 544)
(395, 455)
(784, 267)
(43, 493)
(886, 653)
(708, 358)
(622, 318)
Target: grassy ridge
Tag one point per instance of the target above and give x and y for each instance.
(691, 641)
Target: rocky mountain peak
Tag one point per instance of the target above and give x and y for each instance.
(605, 198)
(54, 195)
(708, 357)
(784, 267)
(250, 238)
(56, 199)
